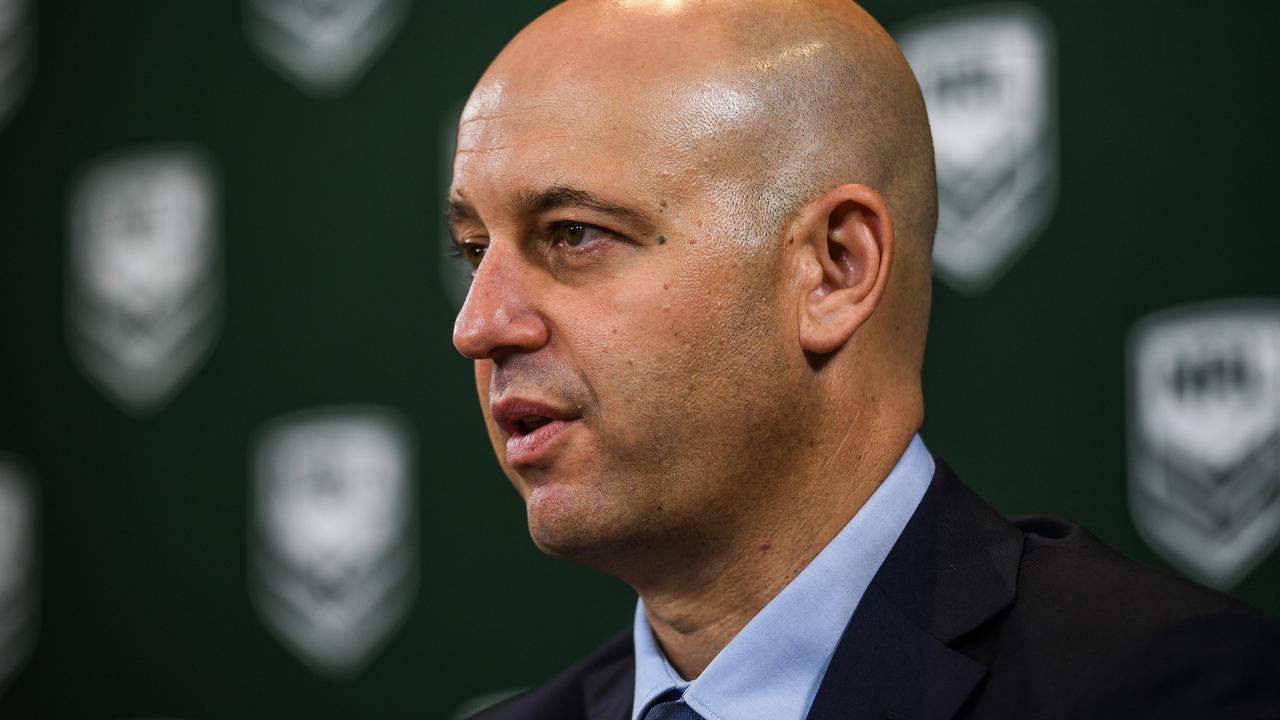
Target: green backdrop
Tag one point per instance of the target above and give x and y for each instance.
(328, 214)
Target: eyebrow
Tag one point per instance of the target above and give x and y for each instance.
(459, 212)
(564, 196)
(553, 198)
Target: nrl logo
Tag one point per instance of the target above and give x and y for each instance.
(1204, 446)
(145, 274)
(18, 594)
(17, 56)
(322, 46)
(333, 566)
(987, 74)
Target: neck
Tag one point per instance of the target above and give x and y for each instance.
(699, 607)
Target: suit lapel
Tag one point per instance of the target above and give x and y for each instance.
(607, 690)
(952, 569)
(887, 667)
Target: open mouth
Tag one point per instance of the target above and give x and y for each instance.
(529, 423)
(533, 427)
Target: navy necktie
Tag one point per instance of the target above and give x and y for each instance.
(669, 706)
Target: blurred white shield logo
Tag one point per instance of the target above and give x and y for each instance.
(19, 601)
(145, 287)
(322, 46)
(334, 539)
(17, 54)
(987, 73)
(1204, 481)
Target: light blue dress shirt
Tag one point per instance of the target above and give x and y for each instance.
(773, 667)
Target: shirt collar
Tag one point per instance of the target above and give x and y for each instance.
(774, 666)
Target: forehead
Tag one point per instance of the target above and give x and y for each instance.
(623, 129)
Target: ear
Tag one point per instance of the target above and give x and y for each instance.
(846, 251)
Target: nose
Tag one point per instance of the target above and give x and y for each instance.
(499, 317)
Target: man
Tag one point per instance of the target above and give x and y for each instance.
(701, 234)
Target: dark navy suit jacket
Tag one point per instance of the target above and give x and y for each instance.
(975, 616)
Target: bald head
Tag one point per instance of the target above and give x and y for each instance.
(700, 237)
(760, 105)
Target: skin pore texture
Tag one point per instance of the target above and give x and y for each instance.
(701, 234)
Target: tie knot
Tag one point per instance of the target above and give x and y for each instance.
(670, 706)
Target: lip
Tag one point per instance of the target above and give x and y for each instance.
(527, 447)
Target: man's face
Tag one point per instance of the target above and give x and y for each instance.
(620, 297)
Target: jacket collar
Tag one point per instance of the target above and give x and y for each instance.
(953, 568)
(607, 689)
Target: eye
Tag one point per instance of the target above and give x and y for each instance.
(471, 250)
(573, 234)
(576, 234)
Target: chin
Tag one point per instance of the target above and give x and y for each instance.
(575, 524)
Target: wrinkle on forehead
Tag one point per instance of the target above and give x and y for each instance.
(483, 127)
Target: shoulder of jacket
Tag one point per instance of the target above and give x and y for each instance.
(554, 699)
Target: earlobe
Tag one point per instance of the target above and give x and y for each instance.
(849, 232)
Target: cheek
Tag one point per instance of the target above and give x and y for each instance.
(633, 349)
(677, 378)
